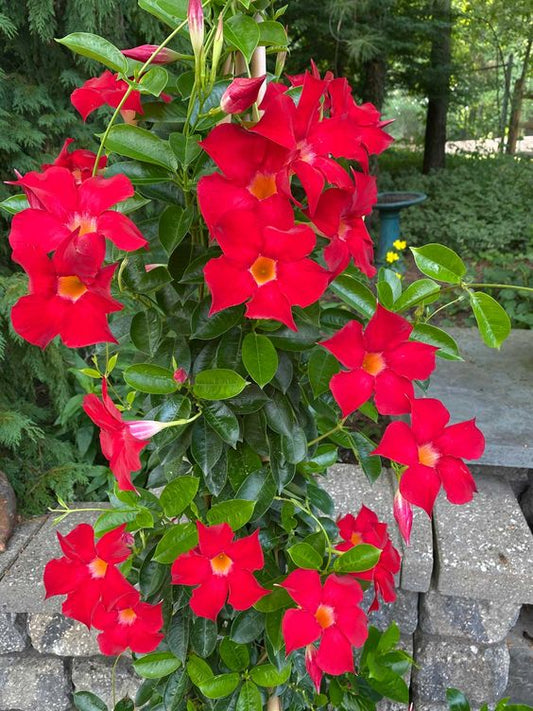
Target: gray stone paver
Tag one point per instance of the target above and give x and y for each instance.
(496, 387)
(484, 548)
(95, 675)
(30, 683)
(57, 634)
(20, 538)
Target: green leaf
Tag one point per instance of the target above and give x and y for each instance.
(138, 173)
(206, 327)
(177, 495)
(304, 556)
(186, 148)
(85, 701)
(322, 367)
(140, 144)
(249, 698)
(493, 322)
(456, 700)
(220, 686)
(448, 348)
(95, 47)
(125, 704)
(145, 331)
(177, 636)
(235, 656)
(176, 540)
(272, 33)
(236, 513)
(206, 445)
(355, 294)
(174, 224)
(242, 32)
(203, 636)
(247, 626)
(171, 12)
(358, 559)
(111, 519)
(199, 671)
(222, 420)
(154, 81)
(259, 488)
(389, 639)
(260, 358)
(156, 665)
(218, 384)
(278, 599)
(150, 378)
(175, 689)
(325, 456)
(439, 262)
(268, 675)
(416, 293)
(14, 204)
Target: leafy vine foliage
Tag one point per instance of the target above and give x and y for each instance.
(225, 381)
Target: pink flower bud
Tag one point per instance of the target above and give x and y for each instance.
(403, 513)
(144, 429)
(151, 267)
(145, 51)
(195, 18)
(128, 539)
(241, 94)
(180, 376)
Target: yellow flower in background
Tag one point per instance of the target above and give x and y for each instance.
(400, 276)
(392, 257)
(399, 244)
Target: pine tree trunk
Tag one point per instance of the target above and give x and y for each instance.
(438, 87)
(516, 103)
(375, 73)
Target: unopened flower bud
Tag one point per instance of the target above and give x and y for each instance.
(403, 513)
(128, 539)
(280, 63)
(241, 94)
(145, 51)
(144, 429)
(195, 18)
(218, 44)
(180, 376)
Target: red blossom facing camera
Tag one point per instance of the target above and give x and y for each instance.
(330, 615)
(105, 90)
(222, 568)
(366, 528)
(380, 361)
(119, 446)
(433, 454)
(79, 162)
(70, 293)
(87, 573)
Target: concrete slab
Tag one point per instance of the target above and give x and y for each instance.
(21, 587)
(22, 535)
(349, 488)
(496, 387)
(484, 549)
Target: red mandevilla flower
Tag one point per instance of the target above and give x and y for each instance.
(330, 614)
(433, 454)
(380, 360)
(403, 513)
(366, 528)
(69, 295)
(144, 51)
(105, 90)
(264, 266)
(222, 569)
(119, 446)
(79, 162)
(58, 207)
(87, 572)
(241, 94)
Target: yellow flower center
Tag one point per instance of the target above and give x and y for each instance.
(373, 363)
(221, 564)
(70, 287)
(356, 538)
(127, 616)
(98, 568)
(263, 270)
(83, 223)
(325, 616)
(428, 455)
(263, 186)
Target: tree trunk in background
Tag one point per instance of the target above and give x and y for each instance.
(516, 103)
(507, 72)
(438, 87)
(374, 76)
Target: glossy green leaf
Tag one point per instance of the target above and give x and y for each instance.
(457, 700)
(439, 262)
(206, 327)
(235, 656)
(247, 626)
(249, 698)
(111, 519)
(223, 421)
(220, 686)
(140, 144)
(304, 556)
(259, 488)
(175, 689)
(236, 513)
(218, 384)
(268, 675)
(174, 224)
(154, 81)
(86, 701)
(321, 368)
(492, 320)
(206, 445)
(272, 33)
(178, 494)
(125, 704)
(260, 358)
(425, 333)
(199, 671)
(358, 559)
(326, 455)
(145, 331)
(186, 148)
(355, 294)
(171, 12)
(156, 665)
(98, 48)
(138, 173)
(14, 204)
(203, 636)
(176, 540)
(150, 378)
(416, 293)
(242, 32)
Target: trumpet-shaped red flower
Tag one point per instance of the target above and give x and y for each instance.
(59, 206)
(144, 51)
(105, 90)
(79, 162)
(433, 454)
(366, 528)
(403, 513)
(222, 569)
(119, 446)
(87, 573)
(265, 266)
(69, 294)
(380, 360)
(241, 94)
(328, 614)
(254, 175)
(129, 624)
(339, 216)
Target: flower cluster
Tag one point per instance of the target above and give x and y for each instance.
(98, 595)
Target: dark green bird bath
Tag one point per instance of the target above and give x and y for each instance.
(389, 206)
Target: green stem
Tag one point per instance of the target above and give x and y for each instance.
(308, 511)
(501, 286)
(337, 427)
(445, 306)
(114, 681)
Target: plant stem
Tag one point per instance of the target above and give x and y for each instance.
(502, 286)
(445, 306)
(337, 427)
(308, 511)
(114, 681)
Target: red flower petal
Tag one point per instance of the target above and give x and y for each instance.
(120, 230)
(81, 603)
(464, 440)
(218, 196)
(335, 652)
(299, 628)
(385, 330)
(302, 282)
(208, 599)
(213, 540)
(304, 587)
(288, 245)
(353, 624)
(312, 182)
(429, 417)
(347, 345)
(35, 228)
(420, 486)
(398, 444)
(99, 194)
(244, 590)
(247, 552)
(341, 591)
(79, 543)
(54, 191)
(125, 459)
(229, 234)
(413, 360)
(112, 546)
(393, 393)
(229, 283)
(190, 569)
(61, 576)
(351, 389)
(457, 480)
(36, 319)
(269, 302)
